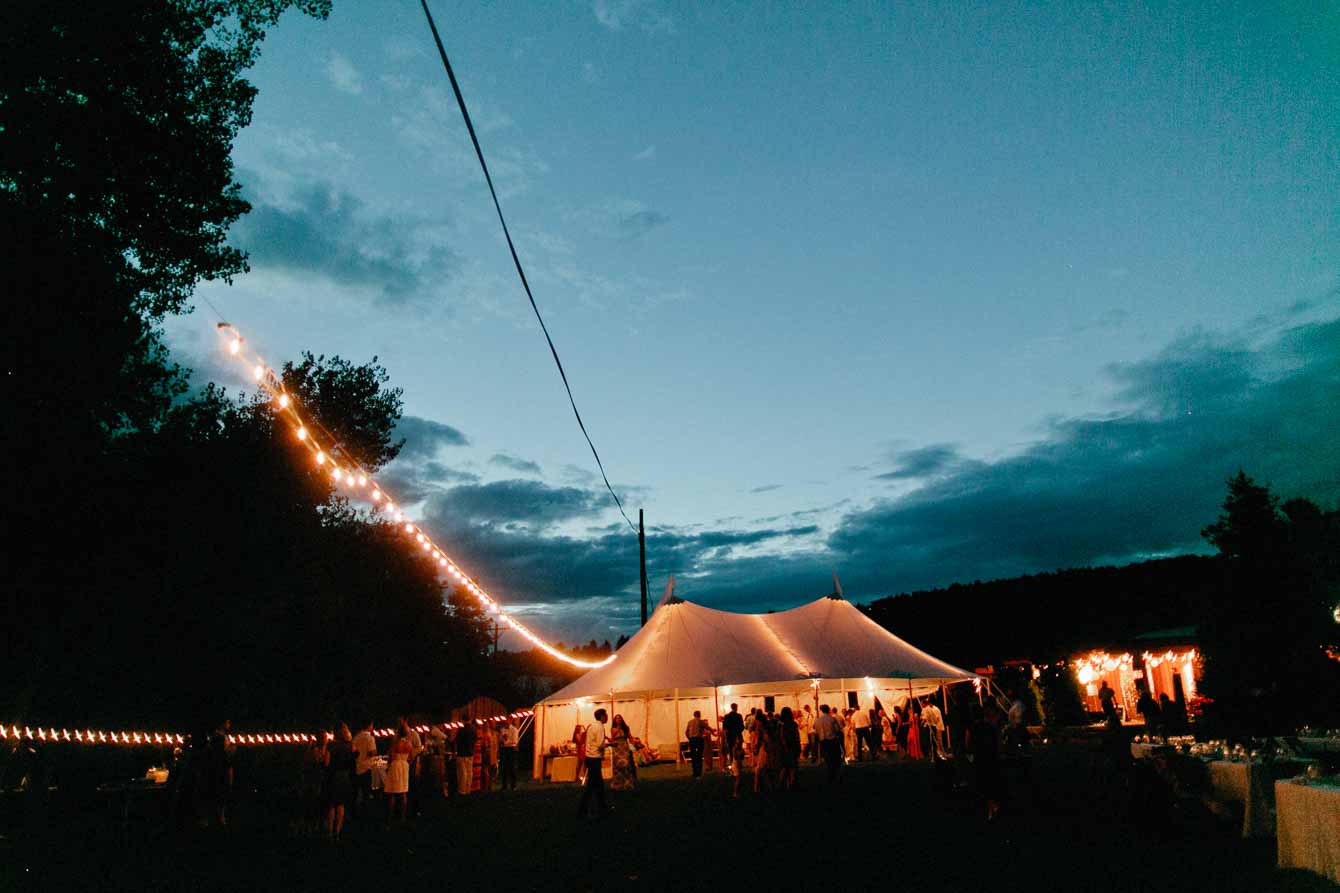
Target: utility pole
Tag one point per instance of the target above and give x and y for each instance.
(642, 561)
(496, 631)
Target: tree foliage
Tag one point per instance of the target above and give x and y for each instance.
(182, 560)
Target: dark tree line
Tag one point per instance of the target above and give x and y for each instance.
(1262, 608)
(173, 557)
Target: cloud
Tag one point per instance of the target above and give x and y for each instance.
(644, 14)
(320, 229)
(639, 223)
(766, 488)
(646, 154)
(343, 74)
(1139, 481)
(924, 462)
(620, 218)
(519, 503)
(1134, 483)
(515, 463)
(425, 437)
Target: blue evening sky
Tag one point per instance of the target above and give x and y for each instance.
(921, 293)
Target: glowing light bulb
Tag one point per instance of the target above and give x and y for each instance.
(399, 515)
(283, 401)
(337, 475)
(302, 433)
(259, 372)
(362, 480)
(376, 496)
(320, 458)
(235, 346)
(409, 528)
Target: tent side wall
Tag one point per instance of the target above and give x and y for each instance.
(655, 717)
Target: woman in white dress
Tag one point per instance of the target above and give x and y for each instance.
(397, 774)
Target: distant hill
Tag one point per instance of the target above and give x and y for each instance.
(1045, 616)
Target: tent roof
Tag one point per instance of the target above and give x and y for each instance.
(688, 646)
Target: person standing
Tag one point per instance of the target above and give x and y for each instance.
(732, 730)
(621, 756)
(805, 724)
(1108, 699)
(696, 732)
(488, 756)
(830, 741)
(875, 733)
(465, 756)
(790, 748)
(594, 753)
(983, 740)
(914, 749)
(758, 749)
(313, 785)
(396, 786)
(860, 721)
(935, 725)
(365, 752)
(507, 743)
(339, 784)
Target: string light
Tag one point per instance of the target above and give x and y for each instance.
(47, 734)
(286, 402)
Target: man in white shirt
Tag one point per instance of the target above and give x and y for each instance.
(933, 720)
(507, 742)
(365, 752)
(595, 751)
(861, 720)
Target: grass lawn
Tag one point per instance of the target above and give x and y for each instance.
(884, 826)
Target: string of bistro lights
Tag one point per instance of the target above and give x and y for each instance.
(347, 471)
(50, 734)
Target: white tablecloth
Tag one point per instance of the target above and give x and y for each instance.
(563, 768)
(1250, 785)
(1308, 827)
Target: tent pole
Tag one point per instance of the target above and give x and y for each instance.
(944, 703)
(679, 757)
(716, 705)
(537, 762)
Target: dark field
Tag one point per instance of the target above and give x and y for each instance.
(884, 826)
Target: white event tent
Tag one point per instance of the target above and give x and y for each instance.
(689, 658)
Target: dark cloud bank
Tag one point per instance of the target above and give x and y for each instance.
(330, 232)
(1136, 483)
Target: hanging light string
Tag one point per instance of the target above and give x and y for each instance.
(345, 470)
(49, 734)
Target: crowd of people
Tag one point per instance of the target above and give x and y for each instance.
(341, 772)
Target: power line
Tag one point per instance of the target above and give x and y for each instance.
(516, 260)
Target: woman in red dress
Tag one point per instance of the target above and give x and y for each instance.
(914, 730)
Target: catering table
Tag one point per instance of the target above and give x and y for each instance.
(1143, 750)
(1250, 785)
(1308, 827)
(1320, 745)
(560, 768)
